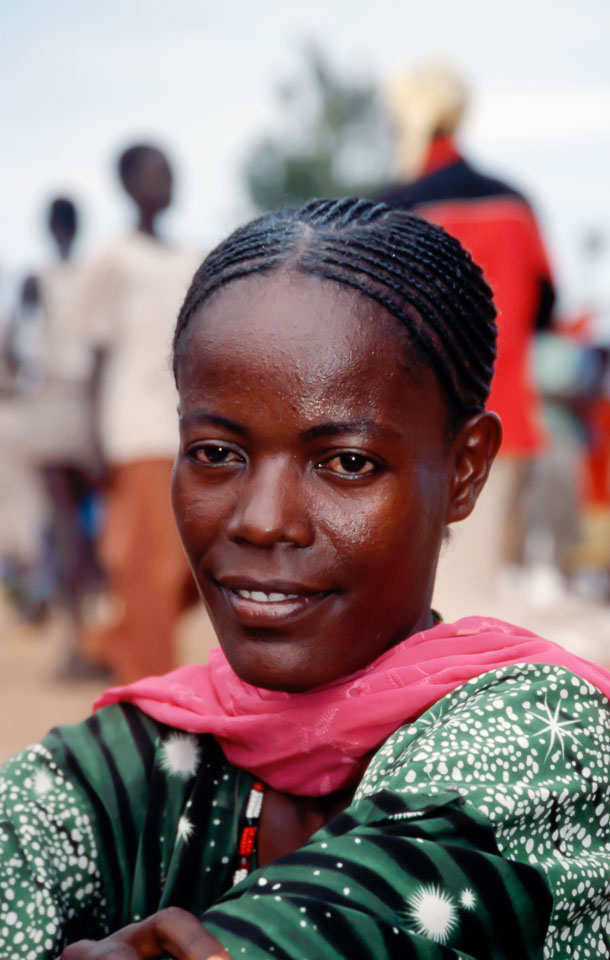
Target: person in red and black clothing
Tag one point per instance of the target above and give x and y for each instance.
(497, 225)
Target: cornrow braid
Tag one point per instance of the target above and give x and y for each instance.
(413, 269)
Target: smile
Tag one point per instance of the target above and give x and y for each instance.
(270, 605)
(261, 597)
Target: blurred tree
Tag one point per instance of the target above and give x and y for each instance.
(335, 140)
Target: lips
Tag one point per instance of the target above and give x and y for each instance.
(270, 604)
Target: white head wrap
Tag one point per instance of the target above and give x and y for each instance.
(423, 102)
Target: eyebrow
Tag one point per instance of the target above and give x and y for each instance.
(333, 427)
(203, 417)
(328, 429)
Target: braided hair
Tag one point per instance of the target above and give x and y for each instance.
(413, 269)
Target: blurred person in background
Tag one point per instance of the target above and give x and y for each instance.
(22, 345)
(24, 511)
(128, 303)
(498, 227)
(592, 325)
(67, 453)
(25, 575)
(48, 450)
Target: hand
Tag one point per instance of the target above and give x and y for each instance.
(98, 469)
(172, 932)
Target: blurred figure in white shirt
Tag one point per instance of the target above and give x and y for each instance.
(128, 307)
(48, 441)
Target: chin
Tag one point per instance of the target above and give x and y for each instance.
(284, 686)
(274, 675)
(274, 680)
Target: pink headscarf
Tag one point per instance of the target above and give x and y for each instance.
(317, 742)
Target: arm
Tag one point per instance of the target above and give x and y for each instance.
(377, 901)
(543, 318)
(546, 303)
(421, 880)
(66, 864)
(48, 857)
(91, 830)
(465, 825)
(100, 360)
(95, 319)
(171, 931)
(468, 838)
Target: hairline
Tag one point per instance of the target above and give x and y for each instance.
(414, 362)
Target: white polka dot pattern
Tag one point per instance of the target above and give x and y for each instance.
(48, 853)
(529, 748)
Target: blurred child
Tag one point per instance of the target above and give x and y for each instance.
(47, 438)
(127, 309)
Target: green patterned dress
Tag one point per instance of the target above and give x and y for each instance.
(478, 831)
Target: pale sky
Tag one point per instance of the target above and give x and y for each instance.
(81, 79)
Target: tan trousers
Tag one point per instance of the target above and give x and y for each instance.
(147, 570)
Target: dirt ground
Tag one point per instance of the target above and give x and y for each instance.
(32, 700)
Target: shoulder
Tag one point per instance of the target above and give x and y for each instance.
(119, 727)
(456, 181)
(81, 752)
(122, 740)
(524, 750)
(510, 725)
(116, 744)
(111, 256)
(110, 770)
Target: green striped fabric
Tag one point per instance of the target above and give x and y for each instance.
(108, 821)
(479, 831)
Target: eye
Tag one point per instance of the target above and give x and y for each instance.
(214, 454)
(350, 465)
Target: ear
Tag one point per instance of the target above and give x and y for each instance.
(474, 450)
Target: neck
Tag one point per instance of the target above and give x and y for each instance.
(146, 223)
(287, 822)
(442, 152)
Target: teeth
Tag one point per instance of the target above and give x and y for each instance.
(259, 597)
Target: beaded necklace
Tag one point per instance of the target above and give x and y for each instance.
(247, 840)
(249, 831)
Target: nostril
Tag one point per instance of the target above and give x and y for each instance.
(271, 508)
(265, 531)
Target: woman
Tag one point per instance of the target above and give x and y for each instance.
(376, 783)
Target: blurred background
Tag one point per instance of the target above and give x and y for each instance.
(247, 107)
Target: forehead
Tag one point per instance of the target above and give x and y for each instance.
(299, 318)
(303, 341)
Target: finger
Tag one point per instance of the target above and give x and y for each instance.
(171, 931)
(185, 936)
(108, 949)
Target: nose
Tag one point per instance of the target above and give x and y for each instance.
(271, 507)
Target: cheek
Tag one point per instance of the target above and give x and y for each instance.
(197, 517)
(400, 527)
(363, 530)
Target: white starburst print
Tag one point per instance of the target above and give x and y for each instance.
(468, 899)
(185, 828)
(433, 913)
(43, 782)
(556, 728)
(180, 755)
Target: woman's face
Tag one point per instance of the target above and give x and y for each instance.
(314, 478)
